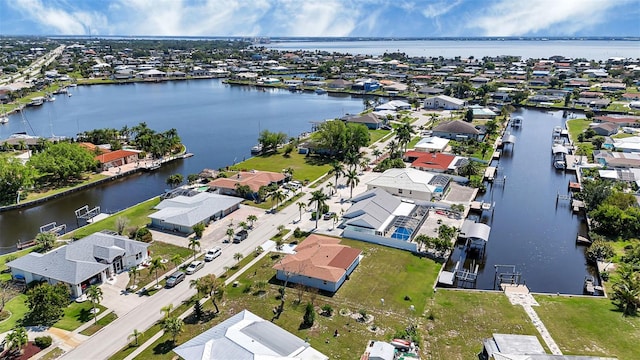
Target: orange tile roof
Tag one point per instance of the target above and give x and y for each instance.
(253, 179)
(430, 160)
(319, 257)
(114, 155)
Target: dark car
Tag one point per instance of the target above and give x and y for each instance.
(175, 279)
(240, 235)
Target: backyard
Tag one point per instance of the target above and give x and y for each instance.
(305, 168)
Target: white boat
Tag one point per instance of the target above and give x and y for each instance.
(557, 130)
(4, 119)
(69, 94)
(320, 91)
(256, 149)
(589, 285)
(36, 101)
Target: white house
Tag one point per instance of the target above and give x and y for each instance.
(410, 183)
(82, 263)
(246, 336)
(181, 213)
(319, 262)
(431, 144)
(444, 102)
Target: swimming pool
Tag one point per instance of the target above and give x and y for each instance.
(402, 233)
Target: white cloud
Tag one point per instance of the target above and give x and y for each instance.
(318, 18)
(68, 22)
(562, 17)
(434, 10)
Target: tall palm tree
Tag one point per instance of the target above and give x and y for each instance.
(230, 232)
(301, 206)
(352, 180)
(392, 145)
(94, 294)
(135, 334)
(45, 240)
(352, 159)
(252, 219)
(157, 264)
(337, 169)
(403, 134)
(237, 256)
(133, 273)
(376, 152)
(331, 187)
(318, 197)
(193, 244)
(277, 197)
(364, 163)
(166, 310)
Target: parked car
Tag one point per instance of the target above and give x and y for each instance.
(329, 215)
(194, 266)
(240, 235)
(175, 279)
(212, 253)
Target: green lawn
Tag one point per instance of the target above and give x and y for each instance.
(376, 135)
(576, 127)
(53, 354)
(18, 309)
(3, 261)
(102, 322)
(165, 251)
(304, 167)
(137, 216)
(590, 326)
(77, 314)
(48, 191)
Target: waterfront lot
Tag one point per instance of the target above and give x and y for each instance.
(589, 326)
(305, 168)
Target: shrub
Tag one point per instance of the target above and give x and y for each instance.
(327, 310)
(143, 234)
(309, 315)
(43, 342)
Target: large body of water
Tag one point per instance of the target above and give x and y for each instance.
(217, 122)
(528, 228)
(538, 49)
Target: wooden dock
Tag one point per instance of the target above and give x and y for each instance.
(490, 173)
(496, 155)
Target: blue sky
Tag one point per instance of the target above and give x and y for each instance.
(379, 18)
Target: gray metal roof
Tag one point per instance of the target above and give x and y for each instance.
(474, 230)
(190, 210)
(76, 262)
(246, 336)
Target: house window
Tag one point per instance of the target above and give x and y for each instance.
(399, 191)
(139, 256)
(324, 282)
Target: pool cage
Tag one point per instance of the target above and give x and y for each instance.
(403, 227)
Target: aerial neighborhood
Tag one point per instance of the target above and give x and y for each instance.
(373, 235)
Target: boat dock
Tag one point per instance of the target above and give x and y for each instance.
(490, 173)
(496, 155)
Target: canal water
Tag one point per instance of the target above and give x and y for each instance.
(218, 123)
(529, 229)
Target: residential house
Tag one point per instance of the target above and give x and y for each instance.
(339, 84)
(320, 262)
(411, 183)
(611, 86)
(435, 162)
(394, 105)
(182, 213)
(116, 158)
(431, 144)
(253, 179)
(370, 120)
(617, 160)
(457, 130)
(444, 102)
(605, 129)
(246, 336)
(622, 120)
(151, 74)
(381, 218)
(82, 263)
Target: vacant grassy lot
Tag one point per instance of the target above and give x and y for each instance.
(376, 135)
(165, 251)
(49, 191)
(137, 216)
(18, 309)
(590, 326)
(304, 167)
(576, 127)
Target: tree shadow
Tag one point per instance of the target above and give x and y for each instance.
(84, 315)
(164, 347)
(304, 326)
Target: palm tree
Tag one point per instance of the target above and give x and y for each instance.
(277, 196)
(17, 339)
(133, 273)
(252, 219)
(337, 169)
(469, 169)
(173, 326)
(193, 244)
(94, 294)
(376, 152)
(244, 225)
(352, 159)
(404, 132)
(157, 264)
(135, 334)
(45, 240)
(237, 256)
(318, 197)
(230, 232)
(352, 180)
(176, 260)
(210, 285)
(393, 148)
(166, 310)
(331, 186)
(301, 206)
(364, 163)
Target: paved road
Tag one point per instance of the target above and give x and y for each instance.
(114, 336)
(34, 69)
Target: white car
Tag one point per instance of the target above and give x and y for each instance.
(212, 253)
(194, 266)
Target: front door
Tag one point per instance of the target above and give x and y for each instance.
(117, 264)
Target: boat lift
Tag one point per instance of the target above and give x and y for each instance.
(54, 228)
(86, 214)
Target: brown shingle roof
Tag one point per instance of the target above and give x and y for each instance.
(254, 179)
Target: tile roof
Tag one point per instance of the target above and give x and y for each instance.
(254, 179)
(114, 155)
(436, 161)
(320, 257)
